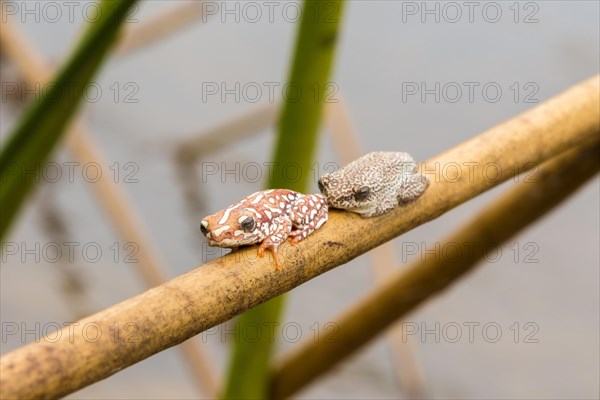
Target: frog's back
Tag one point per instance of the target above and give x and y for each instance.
(374, 184)
(380, 168)
(270, 202)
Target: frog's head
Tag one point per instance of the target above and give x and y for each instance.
(353, 192)
(232, 227)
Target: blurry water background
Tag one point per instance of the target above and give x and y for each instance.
(383, 48)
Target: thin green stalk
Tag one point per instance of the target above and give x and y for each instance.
(43, 124)
(308, 88)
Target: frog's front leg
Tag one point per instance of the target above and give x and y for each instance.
(412, 187)
(308, 214)
(279, 230)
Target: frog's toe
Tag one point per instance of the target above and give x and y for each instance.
(295, 237)
(276, 258)
(273, 248)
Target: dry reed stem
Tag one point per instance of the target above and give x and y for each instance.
(116, 204)
(217, 291)
(73, 283)
(160, 27)
(383, 258)
(522, 205)
(224, 133)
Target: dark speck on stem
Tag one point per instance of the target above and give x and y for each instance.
(329, 39)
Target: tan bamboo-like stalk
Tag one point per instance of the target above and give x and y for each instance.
(556, 180)
(160, 27)
(73, 286)
(224, 133)
(383, 258)
(116, 204)
(166, 315)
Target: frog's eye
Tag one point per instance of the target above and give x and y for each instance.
(321, 186)
(362, 193)
(204, 227)
(247, 223)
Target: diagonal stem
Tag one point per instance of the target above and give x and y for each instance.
(521, 206)
(221, 289)
(114, 201)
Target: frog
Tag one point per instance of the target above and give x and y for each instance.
(374, 184)
(268, 217)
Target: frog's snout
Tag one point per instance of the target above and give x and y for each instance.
(216, 234)
(322, 184)
(204, 228)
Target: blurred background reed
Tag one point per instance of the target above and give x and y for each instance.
(182, 117)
